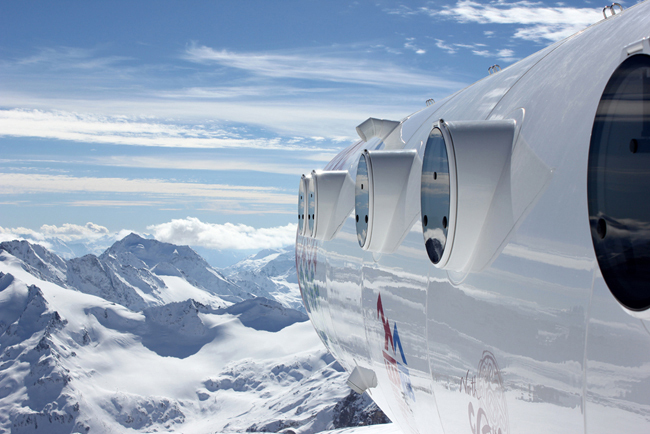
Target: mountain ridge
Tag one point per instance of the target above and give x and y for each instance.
(139, 272)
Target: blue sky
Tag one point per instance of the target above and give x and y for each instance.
(193, 121)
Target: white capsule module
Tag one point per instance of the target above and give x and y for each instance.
(333, 194)
(387, 193)
(533, 317)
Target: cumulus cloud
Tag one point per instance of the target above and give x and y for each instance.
(66, 232)
(20, 233)
(191, 231)
(95, 237)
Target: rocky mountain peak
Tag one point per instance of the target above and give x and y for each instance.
(132, 272)
(37, 260)
(150, 252)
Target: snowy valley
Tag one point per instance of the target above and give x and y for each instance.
(148, 337)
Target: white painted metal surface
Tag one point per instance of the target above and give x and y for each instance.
(334, 190)
(388, 206)
(532, 340)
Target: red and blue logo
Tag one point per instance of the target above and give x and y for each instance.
(394, 358)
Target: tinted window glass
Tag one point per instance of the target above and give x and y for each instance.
(619, 183)
(435, 195)
(311, 207)
(362, 201)
(301, 206)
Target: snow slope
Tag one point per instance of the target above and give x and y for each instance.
(271, 274)
(73, 361)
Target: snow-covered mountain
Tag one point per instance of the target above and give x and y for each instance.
(271, 274)
(170, 260)
(134, 272)
(75, 359)
(137, 272)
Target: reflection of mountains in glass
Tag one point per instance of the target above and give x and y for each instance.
(435, 195)
(311, 207)
(362, 201)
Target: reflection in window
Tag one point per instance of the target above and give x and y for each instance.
(619, 183)
(362, 201)
(435, 195)
(301, 206)
(311, 206)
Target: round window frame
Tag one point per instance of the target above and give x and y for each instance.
(639, 307)
(453, 194)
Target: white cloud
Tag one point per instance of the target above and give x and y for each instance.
(539, 22)
(410, 44)
(20, 233)
(446, 47)
(105, 103)
(124, 130)
(80, 240)
(385, 48)
(252, 163)
(323, 157)
(191, 231)
(67, 232)
(505, 54)
(218, 164)
(241, 92)
(482, 53)
(315, 67)
(115, 203)
(402, 10)
(73, 118)
(23, 183)
(58, 58)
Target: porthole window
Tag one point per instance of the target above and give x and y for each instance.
(619, 183)
(301, 206)
(311, 206)
(362, 200)
(435, 195)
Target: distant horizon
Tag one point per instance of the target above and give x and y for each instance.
(67, 250)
